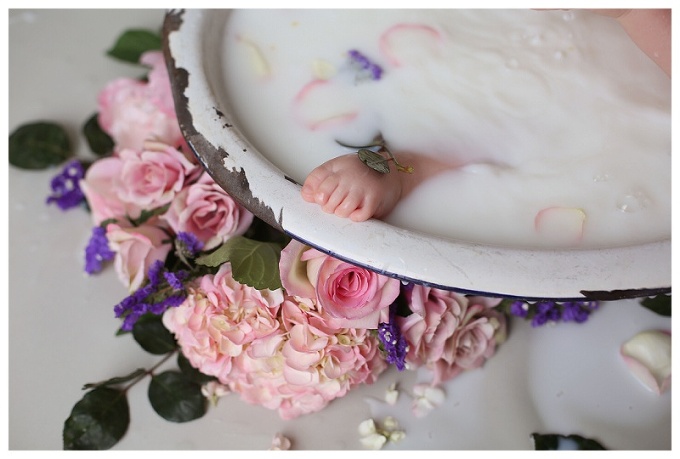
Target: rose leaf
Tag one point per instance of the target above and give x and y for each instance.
(99, 141)
(98, 421)
(176, 398)
(132, 43)
(39, 145)
(152, 336)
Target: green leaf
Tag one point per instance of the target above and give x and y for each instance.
(152, 335)
(192, 373)
(98, 421)
(176, 398)
(660, 304)
(117, 380)
(133, 43)
(39, 145)
(145, 215)
(253, 263)
(99, 141)
(374, 160)
(544, 442)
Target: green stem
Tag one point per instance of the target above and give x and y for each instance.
(150, 371)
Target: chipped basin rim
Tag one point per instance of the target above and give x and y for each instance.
(193, 60)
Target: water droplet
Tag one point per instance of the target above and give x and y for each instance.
(601, 177)
(633, 202)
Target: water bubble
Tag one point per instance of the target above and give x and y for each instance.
(633, 202)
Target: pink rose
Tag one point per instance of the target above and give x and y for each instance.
(132, 111)
(208, 212)
(99, 189)
(136, 249)
(220, 319)
(356, 297)
(449, 332)
(123, 185)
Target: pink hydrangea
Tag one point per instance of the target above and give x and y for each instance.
(296, 365)
(205, 210)
(133, 111)
(220, 318)
(136, 249)
(308, 364)
(449, 332)
(356, 297)
(124, 185)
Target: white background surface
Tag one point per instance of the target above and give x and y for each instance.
(564, 379)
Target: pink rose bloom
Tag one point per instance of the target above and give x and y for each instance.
(307, 366)
(133, 111)
(124, 185)
(449, 332)
(99, 188)
(356, 297)
(208, 212)
(136, 249)
(220, 318)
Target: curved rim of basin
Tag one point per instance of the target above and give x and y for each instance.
(190, 42)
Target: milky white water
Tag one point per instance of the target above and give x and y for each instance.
(564, 124)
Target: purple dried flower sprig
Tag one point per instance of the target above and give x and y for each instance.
(164, 289)
(97, 250)
(393, 342)
(546, 311)
(66, 192)
(365, 67)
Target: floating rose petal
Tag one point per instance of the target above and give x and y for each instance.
(319, 105)
(407, 43)
(648, 355)
(560, 224)
(426, 398)
(256, 59)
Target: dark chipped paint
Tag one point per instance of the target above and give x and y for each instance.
(613, 295)
(212, 159)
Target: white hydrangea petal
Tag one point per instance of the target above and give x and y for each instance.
(390, 423)
(397, 435)
(391, 395)
(280, 443)
(367, 427)
(648, 356)
(373, 441)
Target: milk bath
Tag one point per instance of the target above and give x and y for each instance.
(563, 124)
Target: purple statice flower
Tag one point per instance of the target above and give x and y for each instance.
(519, 309)
(176, 280)
(364, 65)
(188, 244)
(394, 343)
(66, 192)
(578, 311)
(97, 251)
(164, 290)
(546, 311)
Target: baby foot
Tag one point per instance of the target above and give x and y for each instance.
(346, 187)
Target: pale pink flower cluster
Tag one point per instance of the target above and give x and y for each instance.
(449, 332)
(275, 350)
(151, 171)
